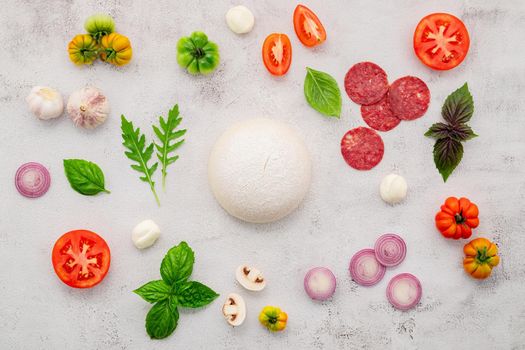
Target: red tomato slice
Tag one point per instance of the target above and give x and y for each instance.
(81, 258)
(441, 41)
(308, 27)
(277, 53)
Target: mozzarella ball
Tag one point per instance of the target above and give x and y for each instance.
(240, 19)
(393, 189)
(259, 170)
(145, 234)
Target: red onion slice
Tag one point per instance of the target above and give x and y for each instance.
(32, 180)
(404, 291)
(365, 269)
(319, 283)
(390, 249)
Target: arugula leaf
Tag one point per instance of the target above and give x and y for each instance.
(322, 93)
(135, 142)
(459, 106)
(166, 133)
(154, 291)
(195, 294)
(84, 176)
(161, 320)
(447, 155)
(177, 264)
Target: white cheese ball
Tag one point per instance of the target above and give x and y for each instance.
(240, 19)
(145, 234)
(259, 170)
(393, 189)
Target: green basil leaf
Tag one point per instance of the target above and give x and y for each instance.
(195, 294)
(438, 131)
(447, 155)
(161, 320)
(322, 93)
(177, 265)
(84, 177)
(459, 106)
(154, 291)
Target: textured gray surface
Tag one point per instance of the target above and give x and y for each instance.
(341, 214)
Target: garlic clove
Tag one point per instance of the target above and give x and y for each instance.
(145, 234)
(88, 107)
(45, 103)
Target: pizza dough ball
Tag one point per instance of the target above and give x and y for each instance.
(259, 170)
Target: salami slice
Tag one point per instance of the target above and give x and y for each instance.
(409, 98)
(362, 148)
(366, 83)
(380, 116)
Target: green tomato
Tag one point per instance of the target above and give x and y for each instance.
(196, 54)
(99, 25)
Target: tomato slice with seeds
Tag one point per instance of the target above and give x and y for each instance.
(81, 258)
(277, 53)
(308, 27)
(441, 41)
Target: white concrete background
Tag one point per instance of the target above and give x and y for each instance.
(341, 214)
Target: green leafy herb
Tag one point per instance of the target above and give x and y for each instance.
(322, 93)
(172, 291)
(135, 142)
(448, 150)
(84, 176)
(166, 133)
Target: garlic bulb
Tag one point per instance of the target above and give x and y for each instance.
(88, 107)
(45, 103)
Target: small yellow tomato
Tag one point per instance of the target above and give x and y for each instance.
(273, 318)
(83, 49)
(116, 49)
(481, 255)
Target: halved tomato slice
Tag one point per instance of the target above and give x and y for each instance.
(308, 27)
(441, 41)
(81, 258)
(277, 53)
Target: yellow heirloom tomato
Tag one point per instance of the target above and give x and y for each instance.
(83, 49)
(116, 49)
(481, 255)
(273, 318)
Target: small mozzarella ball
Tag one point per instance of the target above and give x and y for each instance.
(240, 19)
(393, 189)
(145, 234)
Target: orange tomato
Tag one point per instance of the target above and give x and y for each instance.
(457, 218)
(116, 49)
(481, 255)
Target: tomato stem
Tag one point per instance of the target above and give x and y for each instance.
(482, 257)
(459, 218)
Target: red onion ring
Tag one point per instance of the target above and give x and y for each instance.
(365, 269)
(32, 180)
(319, 283)
(390, 249)
(404, 291)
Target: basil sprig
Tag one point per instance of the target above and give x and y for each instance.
(84, 176)
(448, 149)
(322, 93)
(172, 291)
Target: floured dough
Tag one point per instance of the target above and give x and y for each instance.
(259, 170)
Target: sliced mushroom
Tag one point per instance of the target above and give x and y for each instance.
(250, 278)
(234, 309)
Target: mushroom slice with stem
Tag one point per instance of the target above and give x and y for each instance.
(250, 278)
(234, 309)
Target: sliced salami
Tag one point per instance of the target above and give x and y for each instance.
(362, 148)
(380, 116)
(366, 83)
(409, 98)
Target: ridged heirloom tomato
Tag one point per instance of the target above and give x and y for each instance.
(115, 49)
(81, 258)
(457, 218)
(481, 255)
